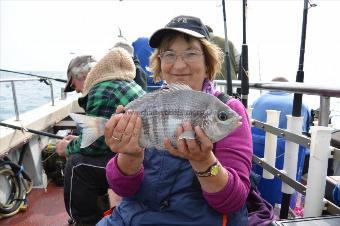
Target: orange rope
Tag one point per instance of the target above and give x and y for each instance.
(225, 220)
(108, 212)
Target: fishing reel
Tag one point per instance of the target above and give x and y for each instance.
(53, 164)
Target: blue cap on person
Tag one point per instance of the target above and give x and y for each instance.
(185, 24)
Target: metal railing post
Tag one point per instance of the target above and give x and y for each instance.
(52, 94)
(15, 101)
(14, 91)
(324, 111)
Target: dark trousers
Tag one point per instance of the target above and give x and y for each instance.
(85, 184)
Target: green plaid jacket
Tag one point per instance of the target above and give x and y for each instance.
(102, 101)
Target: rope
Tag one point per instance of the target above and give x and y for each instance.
(19, 185)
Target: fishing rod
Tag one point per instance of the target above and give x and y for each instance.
(31, 131)
(39, 76)
(297, 101)
(226, 54)
(244, 60)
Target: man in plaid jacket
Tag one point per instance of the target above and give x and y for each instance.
(108, 84)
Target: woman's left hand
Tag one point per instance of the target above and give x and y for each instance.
(199, 149)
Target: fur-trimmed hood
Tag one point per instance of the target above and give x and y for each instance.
(115, 65)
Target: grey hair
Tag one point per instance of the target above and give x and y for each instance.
(81, 71)
(80, 66)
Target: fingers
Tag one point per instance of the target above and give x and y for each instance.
(192, 144)
(119, 131)
(197, 149)
(168, 146)
(185, 148)
(128, 130)
(181, 150)
(205, 142)
(181, 143)
(120, 109)
(61, 147)
(122, 133)
(134, 140)
(110, 125)
(70, 137)
(113, 121)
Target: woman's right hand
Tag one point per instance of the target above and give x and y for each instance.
(122, 136)
(122, 132)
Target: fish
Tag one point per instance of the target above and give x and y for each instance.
(163, 111)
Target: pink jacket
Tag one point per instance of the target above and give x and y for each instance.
(234, 152)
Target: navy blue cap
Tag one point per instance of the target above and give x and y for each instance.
(185, 24)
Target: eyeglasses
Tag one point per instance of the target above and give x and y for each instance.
(188, 56)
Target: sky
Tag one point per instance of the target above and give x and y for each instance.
(45, 35)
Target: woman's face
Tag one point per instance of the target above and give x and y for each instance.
(184, 63)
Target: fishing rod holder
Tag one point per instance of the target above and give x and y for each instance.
(328, 152)
(14, 95)
(298, 139)
(281, 174)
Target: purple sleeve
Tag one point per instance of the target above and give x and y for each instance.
(121, 184)
(234, 152)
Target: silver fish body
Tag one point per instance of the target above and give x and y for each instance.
(163, 111)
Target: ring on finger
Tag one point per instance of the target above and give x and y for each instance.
(181, 138)
(115, 138)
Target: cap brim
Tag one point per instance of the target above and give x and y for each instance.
(157, 37)
(68, 87)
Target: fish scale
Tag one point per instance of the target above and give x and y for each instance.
(163, 111)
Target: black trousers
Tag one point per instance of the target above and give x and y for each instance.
(85, 184)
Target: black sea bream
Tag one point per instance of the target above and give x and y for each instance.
(163, 111)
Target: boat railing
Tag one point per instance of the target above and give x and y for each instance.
(318, 143)
(303, 141)
(324, 92)
(14, 95)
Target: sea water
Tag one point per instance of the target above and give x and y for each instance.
(29, 94)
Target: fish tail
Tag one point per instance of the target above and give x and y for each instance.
(92, 128)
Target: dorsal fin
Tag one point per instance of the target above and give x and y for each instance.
(178, 86)
(151, 96)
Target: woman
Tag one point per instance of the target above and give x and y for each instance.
(197, 183)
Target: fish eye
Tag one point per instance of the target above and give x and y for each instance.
(222, 115)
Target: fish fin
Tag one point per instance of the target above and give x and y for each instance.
(188, 135)
(178, 86)
(150, 97)
(146, 98)
(92, 128)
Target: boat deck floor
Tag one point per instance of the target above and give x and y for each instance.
(44, 208)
